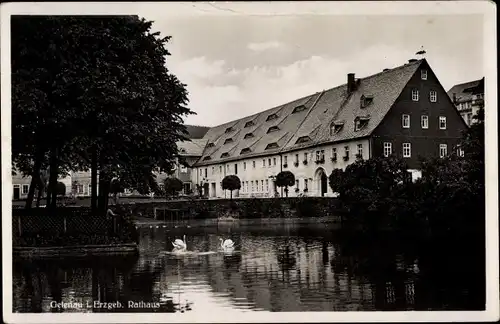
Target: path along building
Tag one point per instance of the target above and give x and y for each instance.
(402, 111)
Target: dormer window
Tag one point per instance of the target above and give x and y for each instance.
(273, 129)
(299, 109)
(336, 127)
(182, 150)
(271, 117)
(249, 135)
(210, 145)
(366, 100)
(360, 122)
(207, 158)
(228, 140)
(303, 139)
(224, 155)
(245, 150)
(249, 123)
(271, 146)
(229, 130)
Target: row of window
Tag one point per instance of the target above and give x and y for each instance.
(270, 162)
(255, 186)
(80, 189)
(443, 150)
(424, 121)
(465, 105)
(415, 95)
(264, 185)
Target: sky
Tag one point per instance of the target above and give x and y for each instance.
(235, 66)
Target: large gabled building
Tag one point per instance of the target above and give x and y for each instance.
(468, 97)
(402, 111)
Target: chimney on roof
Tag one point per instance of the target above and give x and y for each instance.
(350, 82)
(412, 60)
(454, 97)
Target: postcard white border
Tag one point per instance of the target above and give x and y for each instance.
(486, 8)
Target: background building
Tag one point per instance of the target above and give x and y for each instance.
(189, 153)
(402, 111)
(468, 97)
(78, 184)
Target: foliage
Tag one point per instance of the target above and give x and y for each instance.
(378, 192)
(172, 185)
(61, 189)
(116, 187)
(285, 179)
(366, 186)
(231, 182)
(94, 92)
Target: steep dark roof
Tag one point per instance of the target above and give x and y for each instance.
(464, 91)
(196, 131)
(321, 110)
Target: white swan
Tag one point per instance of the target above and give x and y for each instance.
(180, 244)
(227, 244)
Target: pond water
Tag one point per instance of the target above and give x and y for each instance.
(272, 268)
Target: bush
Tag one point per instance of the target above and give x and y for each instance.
(60, 189)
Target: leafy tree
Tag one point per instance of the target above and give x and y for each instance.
(94, 93)
(61, 189)
(454, 187)
(173, 185)
(366, 187)
(116, 187)
(231, 182)
(336, 180)
(285, 179)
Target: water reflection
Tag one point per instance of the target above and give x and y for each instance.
(272, 268)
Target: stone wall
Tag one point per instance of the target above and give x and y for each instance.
(295, 207)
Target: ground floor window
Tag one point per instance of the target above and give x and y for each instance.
(443, 150)
(25, 189)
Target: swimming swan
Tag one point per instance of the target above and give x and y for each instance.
(227, 244)
(180, 244)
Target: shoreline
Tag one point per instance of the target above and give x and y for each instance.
(144, 222)
(74, 251)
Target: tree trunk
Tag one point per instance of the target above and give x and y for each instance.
(31, 192)
(104, 189)
(93, 180)
(35, 177)
(39, 197)
(52, 203)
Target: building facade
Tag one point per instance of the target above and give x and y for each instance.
(402, 111)
(21, 186)
(189, 153)
(468, 98)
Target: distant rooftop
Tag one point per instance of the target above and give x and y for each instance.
(464, 91)
(196, 132)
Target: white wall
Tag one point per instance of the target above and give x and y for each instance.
(261, 173)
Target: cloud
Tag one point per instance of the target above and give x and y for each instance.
(260, 47)
(219, 93)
